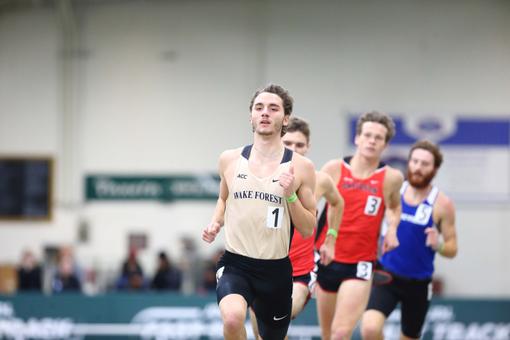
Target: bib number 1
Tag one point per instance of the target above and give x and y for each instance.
(274, 217)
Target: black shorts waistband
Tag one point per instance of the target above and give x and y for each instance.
(229, 256)
(409, 279)
(402, 278)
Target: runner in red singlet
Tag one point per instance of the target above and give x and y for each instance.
(371, 191)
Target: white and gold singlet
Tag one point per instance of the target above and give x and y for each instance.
(257, 219)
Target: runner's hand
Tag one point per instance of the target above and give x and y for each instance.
(327, 253)
(210, 232)
(286, 181)
(390, 242)
(432, 238)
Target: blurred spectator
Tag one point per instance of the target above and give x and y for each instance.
(66, 252)
(29, 273)
(191, 265)
(66, 278)
(209, 273)
(168, 276)
(131, 277)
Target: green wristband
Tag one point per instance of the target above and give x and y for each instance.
(293, 198)
(332, 232)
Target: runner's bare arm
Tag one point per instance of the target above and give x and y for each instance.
(392, 183)
(334, 169)
(213, 228)
(326, 187)
(446, 222)
(302, 210)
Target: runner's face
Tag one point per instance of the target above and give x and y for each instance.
(296, 141)
(267, 114)
(372, 139)
(420, 168)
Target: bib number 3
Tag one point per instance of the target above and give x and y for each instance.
(364, 270)
(372, 205)
(274, 217)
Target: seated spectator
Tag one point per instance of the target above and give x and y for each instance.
(209, 274)
(67, 252)
(131, 277)
(66, 279)
(190, 263)
(29, 273)
(168, 276)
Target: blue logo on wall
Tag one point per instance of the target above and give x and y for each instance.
(447, 130)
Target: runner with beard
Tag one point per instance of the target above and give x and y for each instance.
(427, 227)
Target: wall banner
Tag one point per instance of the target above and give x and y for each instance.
(476, 151)
(151, 188)
(172, 316)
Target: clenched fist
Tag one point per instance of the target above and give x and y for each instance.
(432, 238)
(390, 242)
(210, 232)
(286, 181)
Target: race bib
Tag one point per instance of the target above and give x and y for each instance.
(274, 217)
(372, 205)
(364, 270)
